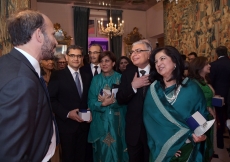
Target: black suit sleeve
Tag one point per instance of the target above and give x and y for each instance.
(125, 92)
(18, 105)
(53, 88)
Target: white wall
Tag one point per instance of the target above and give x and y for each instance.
(155, 24)
(63, 14)
(59, 13)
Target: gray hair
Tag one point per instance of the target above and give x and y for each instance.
(146, 42)
(59, 56)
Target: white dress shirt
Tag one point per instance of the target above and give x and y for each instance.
(93, 69)
(147, 70)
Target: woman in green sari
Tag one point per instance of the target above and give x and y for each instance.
(107, 129)
(169, 102)
(199, 69)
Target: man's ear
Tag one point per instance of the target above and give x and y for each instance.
(39, 35)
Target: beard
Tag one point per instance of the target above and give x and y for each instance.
(47, 48)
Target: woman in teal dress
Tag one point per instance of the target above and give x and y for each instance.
(169, 102)
(107, 129)
(199, 69)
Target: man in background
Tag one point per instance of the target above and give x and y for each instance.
(192, 56)
(28, 132)
(132, 90)
(220, 79)
(68, 91)
(93, 68)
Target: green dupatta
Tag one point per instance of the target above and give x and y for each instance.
(165, 123)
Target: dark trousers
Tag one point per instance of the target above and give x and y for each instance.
(221, 114)
(139, 152)
(74, 145)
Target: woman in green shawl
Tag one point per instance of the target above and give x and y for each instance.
(199, 68)
(107, 129)
(169, 102)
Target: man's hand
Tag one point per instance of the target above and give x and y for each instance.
(199, 138)
(73, 114)
(140, 82)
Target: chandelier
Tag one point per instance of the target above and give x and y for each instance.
(111, 28)
(169, 1)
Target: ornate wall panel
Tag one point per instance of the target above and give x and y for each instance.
(197, 25)
(8, 7)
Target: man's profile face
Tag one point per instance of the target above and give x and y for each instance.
(94, 52)
(191, 57)
(49, 44)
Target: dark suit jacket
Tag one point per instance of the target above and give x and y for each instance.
(134, 101)
(87, 69)
(64, 98)
(25, 115)
(220, 76)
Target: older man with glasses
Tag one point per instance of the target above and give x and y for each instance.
(93, 68)
(68, 91)
(132, 90)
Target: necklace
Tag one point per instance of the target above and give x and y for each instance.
(172, 96)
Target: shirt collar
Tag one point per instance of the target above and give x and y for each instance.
(147, 69)
(32, 60)
(72, 71)
(92, 65)
(220, 57)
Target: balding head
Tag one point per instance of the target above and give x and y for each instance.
(22, 25)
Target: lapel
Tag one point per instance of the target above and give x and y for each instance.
(18, 55)
(84, 81)
(90, 70)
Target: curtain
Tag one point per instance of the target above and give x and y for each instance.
(81, 21)
(116, 41)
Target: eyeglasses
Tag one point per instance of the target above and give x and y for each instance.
(105, 61)
(75, 56)
(61, 62)
(137, 51)
(94, 52)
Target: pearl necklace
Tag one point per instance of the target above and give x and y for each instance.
(172, 99)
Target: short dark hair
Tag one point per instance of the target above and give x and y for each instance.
(195, 68)
(110, 54)
(221, 51)
(174, 54)
(95, 44)
(193, 53)
(74, 47)
(22, 25)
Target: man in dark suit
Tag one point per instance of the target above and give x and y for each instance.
(68, 91)
(220, 79)
(94, 67)
(28, 132)
(134, 83)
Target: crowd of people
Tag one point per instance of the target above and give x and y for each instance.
(138, 108)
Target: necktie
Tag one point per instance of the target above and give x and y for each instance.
(78, 84)
(96, 72)
(142, 72)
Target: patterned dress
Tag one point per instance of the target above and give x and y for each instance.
(107, 129)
